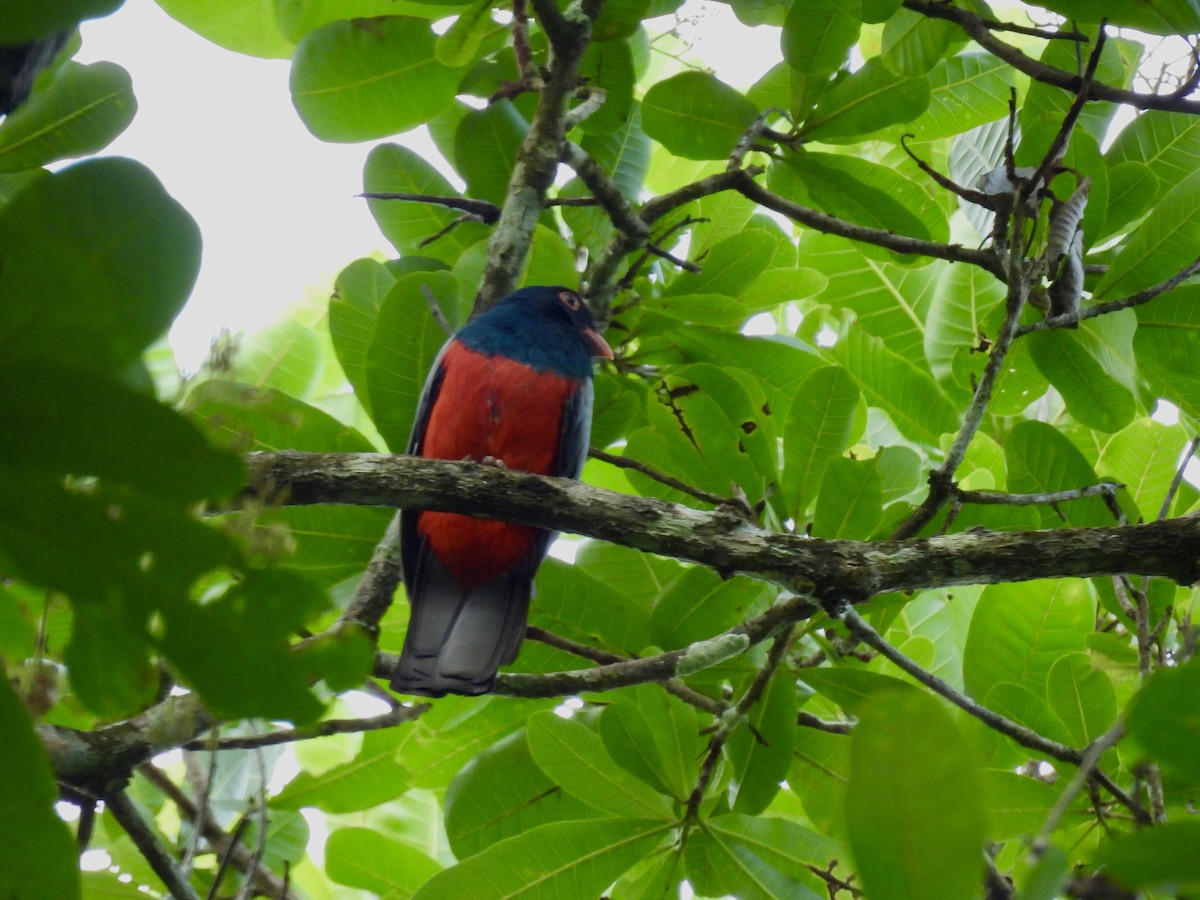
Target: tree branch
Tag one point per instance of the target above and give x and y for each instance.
(148, 844)
(721, 539)
(980, 31)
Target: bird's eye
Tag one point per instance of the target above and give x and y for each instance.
(570, 301)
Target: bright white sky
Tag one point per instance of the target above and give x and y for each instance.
(276, 206)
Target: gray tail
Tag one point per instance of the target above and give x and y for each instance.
(458, 638)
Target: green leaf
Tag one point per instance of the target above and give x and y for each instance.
(98, 260)
(370, 78)
(36, 847)
(889, 301)
(817, 430)
(576, 605)
(729, 267)
(485, 149)
(365, 859)
(902, 387)
(675, 732)
(556, 860)
(460, 42)
(1040, 458)
(781, 843)
(620, 19)
(867, 101)
(914, 805)
(851, 689)
(79, 112)
(1132, 188)
(850, 504)
(965, 90)
(109, 662)
(1082, 697)
(1019, 631)
(78, 424)
(1165, 717)
(962, 304)
(573, 756)
(1143, 457)
(353, 310)
(397, 170)
(1162, 245)
(1161, 857)
(863, 192)
(373, 777)
(817, 36)
(701, 604)
(500, 793)
(1166, 344)
(1017, 805)
(913, 43)
(624, 154)
(285, 355)
(1093, 397)
(1168, 143)
(27, 19)
(406, 341)
(244, 26)
(718, 866)
(760, 767)
(696, 116)
(609, 65)
(819, 774)
(1048, 877)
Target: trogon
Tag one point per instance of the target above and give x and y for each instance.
(513, 387)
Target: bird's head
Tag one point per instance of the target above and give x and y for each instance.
(557, 306)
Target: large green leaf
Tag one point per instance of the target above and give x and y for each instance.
(818, 429)
(1161, 857)
(1040, 459)
(900, 386)
(406, 340)
(79, 112)
(701, 604)
(1162, 245)
(696, 116)
(244, 26)
(817, 36)
(762, 752)
(964, 91)
(850, 503)
(867, 101)
(889, 300)
(373, 777)
(573, 756)
(1069, 361)
(1155, 16)
(782, 843)
(393, 169)
(36, 847)
(1017, 805)
(575, 604)
(962, 303)
(485, 149)
(27, 19)
(1165, 717)
(551, 861)
(1167, 343)
(369, 78)
(669, 761)
(77, 424)
(353, 310)
(608, 65)
(819, 774)
(913, 43)
(1019, 631)
(1082, 697)
(98, 260)
(500, 793)
(365, 859)
(914, 805)
(719, 866)
(1143, 457)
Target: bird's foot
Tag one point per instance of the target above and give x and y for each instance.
(493, 461)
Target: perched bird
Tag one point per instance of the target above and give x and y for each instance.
(513, 387)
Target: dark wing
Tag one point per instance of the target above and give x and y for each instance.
(409, 542)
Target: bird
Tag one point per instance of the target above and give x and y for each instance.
(513, 388)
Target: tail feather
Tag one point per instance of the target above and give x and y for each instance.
(458, 638)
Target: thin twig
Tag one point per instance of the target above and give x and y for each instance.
(1192, 447)
(435, 310)
(1000, 498)
(235, 842)
(148, 844)
(390, 719)
(1087, 765)
(625, 462)
(1111, 306)
(808, 720)
(481, 210)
